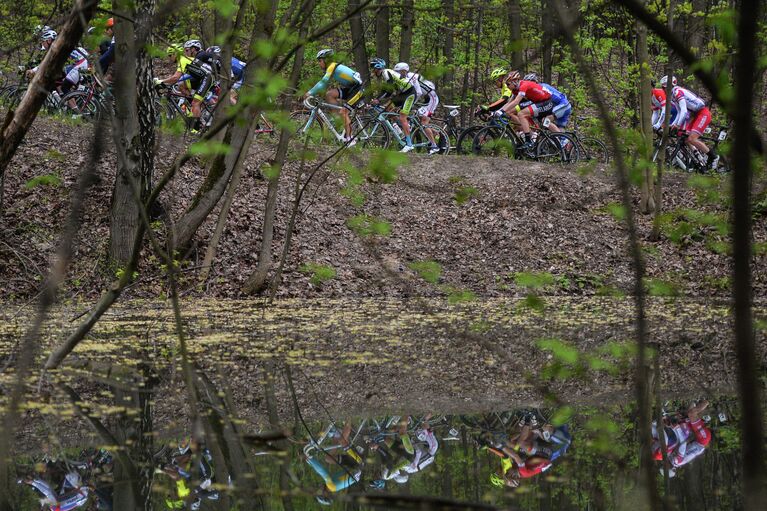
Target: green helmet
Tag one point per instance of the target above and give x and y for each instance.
(495, 478)
(498, 72)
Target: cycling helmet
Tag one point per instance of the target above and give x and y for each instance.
(513, 76)
(323, 500)
(378, 63)
(110, 22)
(401, 478)
(498, 72)
(48, 35)
(378, 484)
(531, 77)
(664, 81)
(214, 49)
(497, 480)
(322, 54)
(193, 43)
(39, 29)
(402, 66)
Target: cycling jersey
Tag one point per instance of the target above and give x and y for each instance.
(238, 68)
(533, 91)
(401, 92)
(425, 91)
(685, 101)
(336, 480)
(341, 74)
(183, 61)
(505, 96)
(561, 106)
(67, 502)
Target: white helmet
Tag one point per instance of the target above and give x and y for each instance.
(322, 54)
(48, 35)
(193, 43)
(664, 81)
(402, 66)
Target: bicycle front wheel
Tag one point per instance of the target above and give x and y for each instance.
(465, 142)
(80, 103)
(493, 141)
(593, 149)
(423, 144)
(556, 148)
(371, 133)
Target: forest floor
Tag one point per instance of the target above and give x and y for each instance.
(519, 217)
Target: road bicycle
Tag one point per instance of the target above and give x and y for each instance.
(421, 142)
(316, 127)
(685, 157)
(501, 139)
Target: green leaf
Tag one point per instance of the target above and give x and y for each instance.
(320, 272)
(617, 211)
(227, 8)
(562, 416)
(44, 180)
(209, 148)
(460, 295)
(560, 350)
(383, 165)
(533, 280)
(366, 225)
(429, 271)
(658, 287)
(463, 194)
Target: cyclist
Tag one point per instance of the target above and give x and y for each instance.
(401, 93)
(236, 72)
(541, 104)
(686, 437)
(700, 117)
(497, 75)
(77, 62)
(349, 88)
(425, 91)
(341, 468)
(560, 114)
(107, 47)
(74, 494)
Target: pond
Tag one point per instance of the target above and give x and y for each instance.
(372, 404)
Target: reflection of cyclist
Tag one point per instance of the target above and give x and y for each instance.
(339, 468)
(74, 493)
(686, 438)
(530, 453)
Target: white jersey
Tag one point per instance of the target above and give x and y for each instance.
(685, 102)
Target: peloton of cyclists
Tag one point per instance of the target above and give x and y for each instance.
(77, 62)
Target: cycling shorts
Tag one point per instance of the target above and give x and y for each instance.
(236, 85)
(351, 94)
(201, 85)
(562, 114)
(700, 122)
(72, 74)
(542, 109)
(429, 109)
(404, 100)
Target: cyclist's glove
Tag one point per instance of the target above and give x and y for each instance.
(499, 113)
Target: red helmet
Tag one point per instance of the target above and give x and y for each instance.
(110, 22)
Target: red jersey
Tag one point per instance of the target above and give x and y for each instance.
(658, 99)
(533, 91)
(533, 466)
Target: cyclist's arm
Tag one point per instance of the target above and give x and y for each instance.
(511, 105)
(681, 112)
(174, 78)
(657, 118)
(492, 107)
(322, 84)
(334, 482)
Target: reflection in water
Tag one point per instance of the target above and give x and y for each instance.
(523, 457)
(685, 437)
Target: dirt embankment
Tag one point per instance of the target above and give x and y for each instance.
(520, 217)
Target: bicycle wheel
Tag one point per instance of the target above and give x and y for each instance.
(309, 132)
(423, 144)
(493, 141)
(465, 142)
(592, 149)
(556, 148)
(371, 132)
(80, 103)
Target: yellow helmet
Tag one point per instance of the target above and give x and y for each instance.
(496, 73)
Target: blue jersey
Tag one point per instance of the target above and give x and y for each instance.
(343, 75)
(558, 98)
(238, 68)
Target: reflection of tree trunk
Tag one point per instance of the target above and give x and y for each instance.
(445, 452)
(752, 433)
(274, 422)
(382, 33)
(406, 35)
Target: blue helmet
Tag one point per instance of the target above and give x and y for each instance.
(378, 63)
(378, 484)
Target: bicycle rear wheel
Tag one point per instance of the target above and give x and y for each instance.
(593, 149)
(371, 133)
(465, 142)
(80, 103)
(556, 148)
(423, 144)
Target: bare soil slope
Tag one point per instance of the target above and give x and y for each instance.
(523, 217)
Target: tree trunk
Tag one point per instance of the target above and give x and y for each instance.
(515, 30)
(146, 94)
(647, 202)
(124, 210)
(448, 83)
(696, 26)
(477, 46)
(17, 122)
(382, 32)
(239, 137)
(359, 49)
(749, 373)
(406, 34)
(547, 39)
